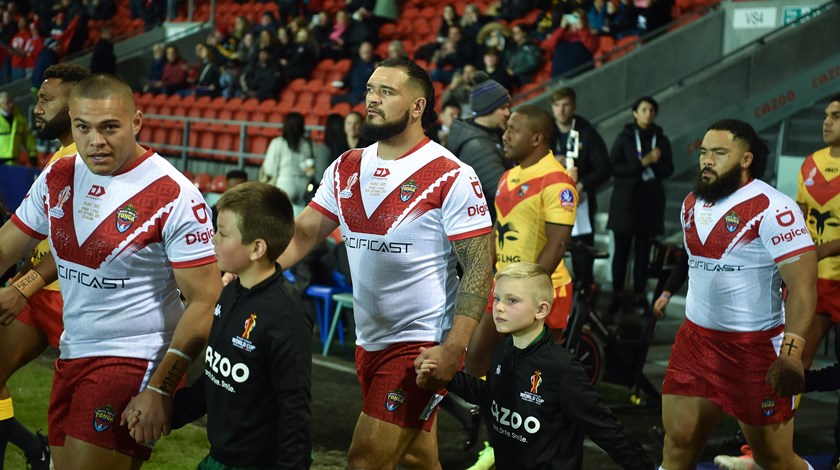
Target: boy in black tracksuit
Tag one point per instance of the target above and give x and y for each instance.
(537, 398)
(256, 388)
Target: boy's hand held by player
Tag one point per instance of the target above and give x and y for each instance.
(154, 416)
(446, 365)
(786, 375)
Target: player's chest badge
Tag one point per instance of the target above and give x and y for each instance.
(407, 190)
(732, 221)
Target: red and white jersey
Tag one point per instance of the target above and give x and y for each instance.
(734, 247)
(398, 219)
(115, 240)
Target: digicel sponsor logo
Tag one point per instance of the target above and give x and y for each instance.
(200, 237)
(788, 236)
(478, 209)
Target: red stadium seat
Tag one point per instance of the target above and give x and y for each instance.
(202, 182)
(218, 184)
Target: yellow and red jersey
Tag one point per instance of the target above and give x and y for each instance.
(819, 191)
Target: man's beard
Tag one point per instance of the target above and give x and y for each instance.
(725, 184)
(379, 132)
(55, 127)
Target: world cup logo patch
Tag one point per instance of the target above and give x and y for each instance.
(732, 221)
(394, 399)
(126, 217)
(407, 190)
(103, 417)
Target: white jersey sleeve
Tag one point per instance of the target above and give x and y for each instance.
(188, 231)
(465, 211)
(783, 230)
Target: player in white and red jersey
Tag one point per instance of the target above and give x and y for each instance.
(39, 322)
(127, 231)
(739, 351)
(406, 207)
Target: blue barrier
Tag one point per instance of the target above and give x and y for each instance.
(15, 181)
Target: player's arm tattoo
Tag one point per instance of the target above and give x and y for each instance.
(476, 257)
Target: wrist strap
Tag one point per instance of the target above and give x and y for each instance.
(792, 345)
(29, 283)
(155, 389)
(179, 354)
(665, 295)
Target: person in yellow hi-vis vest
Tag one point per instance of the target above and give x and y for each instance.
(14, 132)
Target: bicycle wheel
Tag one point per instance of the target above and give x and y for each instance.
(590, 353)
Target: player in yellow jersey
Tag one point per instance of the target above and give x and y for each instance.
(39, 322)
(819, 199)
(535, 212)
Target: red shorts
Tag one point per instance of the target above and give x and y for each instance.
(828, 298)
(561, 307)
(43, 312)
(728, 369)
(389, 389)
(88, 397)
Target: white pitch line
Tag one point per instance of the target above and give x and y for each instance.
(334, 366)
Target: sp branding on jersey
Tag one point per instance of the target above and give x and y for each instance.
(221, 365)
(96, 191)
(789, 236)
(382, 173)
(90, 280)
(200, 237)
(201, 212)
(478, 209)
(514, 420)
(711, 266)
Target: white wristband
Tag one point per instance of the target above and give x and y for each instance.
(179, 353)
(158, 390)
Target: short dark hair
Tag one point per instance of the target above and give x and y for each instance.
(539, 120)
(565, 92)
(67, 73)
(100, 86)
(240, 174)
(645, 99)
(835, 97)
(419, 78)
(450, 103)
(740, 130)
(264, 212)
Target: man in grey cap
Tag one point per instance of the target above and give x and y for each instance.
(478, 141)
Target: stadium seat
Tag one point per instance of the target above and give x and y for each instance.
(202, 181)
(267, 106)
(342, 300)
(257, 144)
(218, 184)
(297, 85)
(322, 295)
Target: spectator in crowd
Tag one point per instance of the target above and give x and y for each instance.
(364, 26)
(227, 45)
(230, 79)
(57, 26)
(290, 160)
(267, 23)
(510, 10)
(641, 159)
(524, 57)
(573, 43)
(336, 44)
(103, 59)
(262, 79)
(455, 52)
(600, 14)
(575, 138)
(477, 141)
(472, 22)
(158, 62)
(247, 50)
(100, 9)
(302, 58)
(493, 35)
(460, 87)
(496, 71)
(396, 50)
(284, 41)
(15, 136)
(656, 15)
(33, 45)
(174, 76)
(50, 55)
(449, 17)
(205, 75)
(449, 111)
(355, 82)
(8, 29)
(290, 10)
(266, 40)
(625, 21)
(334, 136)
(18, 50)
(320, 26)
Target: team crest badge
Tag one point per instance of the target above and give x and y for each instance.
(126, 217)
(57, 211)
(103, 417)
(768, 406)
(567, 198)
(732, 221)
(394, 399)
(407, 190)
(523, 190)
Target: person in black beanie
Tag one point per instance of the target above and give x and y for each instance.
(478, 141)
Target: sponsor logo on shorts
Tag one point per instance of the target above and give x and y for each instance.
(532, 396)
(57, 211)
(126, 217)
(567, 198)
(103, 417)
(768, 406)
(407, 190)
(732, 221)
(394, 399)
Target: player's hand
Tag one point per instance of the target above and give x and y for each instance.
(786, 375)
(11, 303)
(660, 304)
(131, 420)
(154, 412)
(446, 365)
(227, 278)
